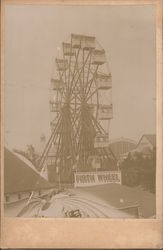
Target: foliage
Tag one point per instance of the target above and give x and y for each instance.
(138, 169)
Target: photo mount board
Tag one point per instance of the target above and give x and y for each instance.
(87, 233)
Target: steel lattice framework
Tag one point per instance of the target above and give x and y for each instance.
(81, 107)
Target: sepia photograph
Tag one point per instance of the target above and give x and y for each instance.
(80, 111)
(81, 124)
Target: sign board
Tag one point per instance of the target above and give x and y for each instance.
(85, 179)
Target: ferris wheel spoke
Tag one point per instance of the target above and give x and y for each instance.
(111, 152)
(71, 137)
(79, 79)
(69, 66)
(98, 125)
(78, 89)
(54, 140)
(88, 72)
(72, 125)
(76, 117)
(92, 72)
(70, 73)
(62, 144)
(107, 154)
(49, 141)
(91, 81)
(75, 97)
(88, 129)
(87, 121)
(86, 135)
(62, 95)
(48, 145)
(79, 144)
(91, 122)
(78, 126)
(65, 135)
(90, 96)
(77, 129)
(74, 109)
(69, 140)
(83, 72)
(64, 72)
(73, 73)
(58, 151)
(61, 74)
(80, 72)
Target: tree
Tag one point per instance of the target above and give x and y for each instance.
(148, 172)
(139, 169)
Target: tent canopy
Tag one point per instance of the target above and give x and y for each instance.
(20, 175)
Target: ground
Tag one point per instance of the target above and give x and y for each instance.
(120, 196)
(98, 201)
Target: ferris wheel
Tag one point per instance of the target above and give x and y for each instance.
(81, 109)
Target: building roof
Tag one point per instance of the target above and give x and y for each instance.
(146, 151)
(121, 145)
(151, 138)
(20, 174)
(122, 139)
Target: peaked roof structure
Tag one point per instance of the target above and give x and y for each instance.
(122, 139)
(20, 174)
(151, 138)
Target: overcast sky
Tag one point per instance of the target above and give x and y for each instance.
(32, 35)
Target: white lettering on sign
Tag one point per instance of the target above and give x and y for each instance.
(83, 179)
